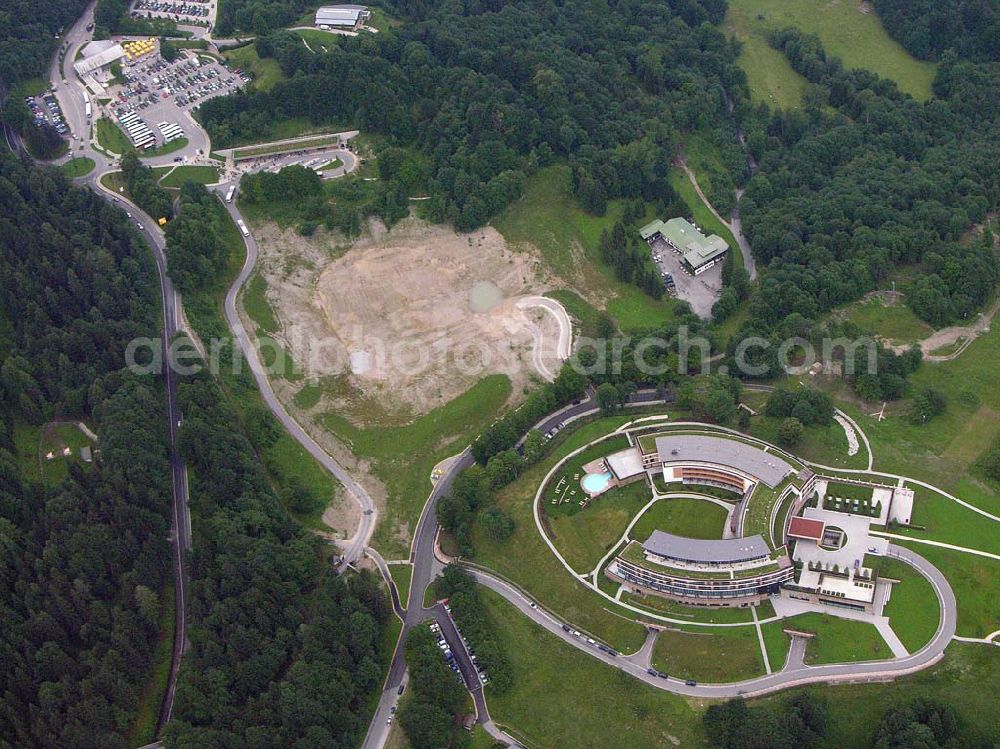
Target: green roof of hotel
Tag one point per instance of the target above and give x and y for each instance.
(653, 227)
(697, 248)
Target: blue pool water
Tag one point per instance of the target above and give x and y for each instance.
(595, 483)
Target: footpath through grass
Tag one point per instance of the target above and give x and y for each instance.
(525, 558)
(584, 537)
(967, 679)
(974, 581)
(913, 609)
(203, 175)
(849, 30)
(838, 640)
(563, 697)
(896, 322)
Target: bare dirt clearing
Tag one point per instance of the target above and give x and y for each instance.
(406, 320)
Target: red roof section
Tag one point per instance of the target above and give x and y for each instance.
(806, 528)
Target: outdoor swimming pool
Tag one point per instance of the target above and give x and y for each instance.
(595, 483)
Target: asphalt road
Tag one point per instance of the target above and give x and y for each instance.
(356, 546)
(180, 533)
(795, 672)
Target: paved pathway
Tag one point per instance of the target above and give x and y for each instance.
(940, 544)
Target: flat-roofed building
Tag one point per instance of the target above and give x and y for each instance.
(97, 55)
(716, 461)
(721, 572)
(345, 17)
(698, 252)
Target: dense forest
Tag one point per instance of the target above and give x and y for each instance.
(437, 697)
(84, 560)
(27, 40)
(27, 37)
(284, 652)
(258, 16)
(866, 179)
(927, 28)
(802, 722)
(487, 96)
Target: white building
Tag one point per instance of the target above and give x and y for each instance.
(344, 17)
(97, 55)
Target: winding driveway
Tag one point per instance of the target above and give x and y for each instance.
(354, 548)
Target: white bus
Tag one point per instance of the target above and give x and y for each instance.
(86, 106)
(230, 193)
(243, 227)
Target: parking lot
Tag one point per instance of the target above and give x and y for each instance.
(157, 91)
(187, 11)
(45, 109)
(700, 291)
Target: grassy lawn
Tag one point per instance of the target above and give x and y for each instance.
(585, 316)
(819, 444)
(260, 310)
(772, 79)
(143, 728)
(528, 561)
(897, 322)
(913, 609)
(839, 640)
(32, 443)
(111, 138)
(166, 148)
(776, 642)
(857, 37)
(584, 537)
(265, 73)
(26, 437)
(402, 457)
(319, 40)
(942, 452)
(725, 654)
(401, 575)
(552, 700)
(974, 580)
(78, 167)
(203, 175)
(549, 219)
(691, 518)
(950, 522)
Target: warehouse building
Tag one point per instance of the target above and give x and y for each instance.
(698, 252)
(343, 17)
(97, 55)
